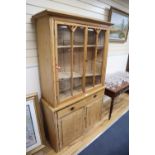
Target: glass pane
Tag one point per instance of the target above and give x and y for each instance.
(91, 36)
(99, 61)
(64, 68)
(89, 66)
(79, 36)
(77, 70)
(101, 38)
(77, 86)
(89, 82)
(63, 35)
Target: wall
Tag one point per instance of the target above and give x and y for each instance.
(117, 56)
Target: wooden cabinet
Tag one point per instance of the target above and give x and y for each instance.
(72, 54)
(73, 121)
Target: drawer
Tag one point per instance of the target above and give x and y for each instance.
(71, 108)
(95, 96)
(82, 103)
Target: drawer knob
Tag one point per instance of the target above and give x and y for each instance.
(95, 96)
(72, 108)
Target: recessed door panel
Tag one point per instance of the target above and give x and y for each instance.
(93, 113)
(71, 127)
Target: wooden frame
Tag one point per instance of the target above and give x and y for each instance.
(119, 31)
(34, 118)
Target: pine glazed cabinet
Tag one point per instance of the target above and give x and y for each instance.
(72, 55)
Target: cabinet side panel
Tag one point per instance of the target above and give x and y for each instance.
(51, 126)
(45, 60)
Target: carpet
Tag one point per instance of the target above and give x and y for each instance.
(115, 141)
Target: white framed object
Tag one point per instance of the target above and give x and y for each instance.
(34, 125)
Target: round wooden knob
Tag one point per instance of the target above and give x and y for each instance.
(72, 108)
(95, 96)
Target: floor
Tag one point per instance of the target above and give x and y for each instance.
(119, 110)
(115, 141)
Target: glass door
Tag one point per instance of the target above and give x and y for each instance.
(95, 47)
(91, 43)
(70, 54)
(99, 57)
(64, 61)
(78, 56)
(79, 59)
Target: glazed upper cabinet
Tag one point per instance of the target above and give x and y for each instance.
(70, 51)
(72, 55)
(80, 59)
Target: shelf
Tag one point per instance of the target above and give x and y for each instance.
(68, 46)
(67, 75)
(64, 75)
(64, 95)
(79, 46)
(67, 93)
(76, 75)
(64, 46)
(89, 86)
(91, 45)
(99, 46)
(89, 74)
(77, 90)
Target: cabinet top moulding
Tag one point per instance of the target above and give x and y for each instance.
(68, 16)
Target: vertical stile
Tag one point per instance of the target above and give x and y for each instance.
(105, 53)
(85, 58)
(72, 36)
(56, 59)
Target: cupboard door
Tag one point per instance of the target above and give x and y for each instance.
(71, 127)
(77, 58)
(64, 62)
(106, 107)
(91, 43)
(93, 113)
(70, 58)
(94, 65)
